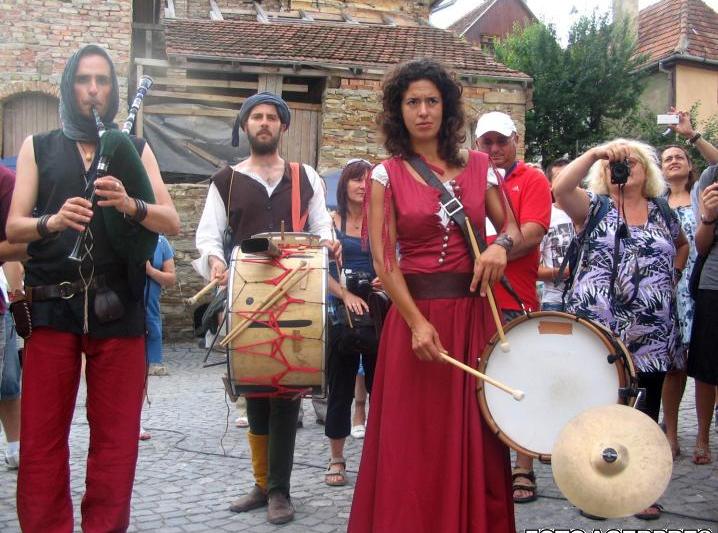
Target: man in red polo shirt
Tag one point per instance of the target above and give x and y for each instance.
(530, 195)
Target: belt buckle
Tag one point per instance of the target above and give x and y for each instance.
(67, 291)
(454, 209)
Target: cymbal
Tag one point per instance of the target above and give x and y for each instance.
(612, 461)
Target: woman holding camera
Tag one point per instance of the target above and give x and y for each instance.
(351, 334)
(636, 253)
(430, 462)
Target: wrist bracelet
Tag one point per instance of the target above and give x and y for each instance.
(505, 241)
(693, 139)
(141, 210)
(42, 228)
(677, 273)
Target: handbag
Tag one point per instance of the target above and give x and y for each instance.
(379, 303)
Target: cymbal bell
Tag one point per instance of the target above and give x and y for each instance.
(612, 461)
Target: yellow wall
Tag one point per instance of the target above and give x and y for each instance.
(697, 84)
(656, 94)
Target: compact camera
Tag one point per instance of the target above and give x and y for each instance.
(358, 283)
(667, 120)
(620, 170)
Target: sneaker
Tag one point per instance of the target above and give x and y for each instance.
(12, 460)
(157, 370)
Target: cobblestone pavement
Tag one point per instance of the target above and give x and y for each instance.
(197, 462)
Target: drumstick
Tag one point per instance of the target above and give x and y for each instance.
(518, 395)
(295, 276)
(204, 290)
(504, 344)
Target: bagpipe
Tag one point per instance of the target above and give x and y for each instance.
(132, 242)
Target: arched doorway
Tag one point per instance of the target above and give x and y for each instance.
(27, 114)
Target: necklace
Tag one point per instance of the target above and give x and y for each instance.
(87, 155)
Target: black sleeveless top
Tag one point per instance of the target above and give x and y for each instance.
(61, 175)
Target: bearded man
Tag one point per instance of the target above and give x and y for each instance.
(255, 196)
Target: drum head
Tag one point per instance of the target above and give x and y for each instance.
(560, 362)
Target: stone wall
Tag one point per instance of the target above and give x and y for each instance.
(39, 35)
(349, 114)
(177, 318)
(349, 126)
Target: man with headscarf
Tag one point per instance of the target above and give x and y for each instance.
(252, 197)
(48, 210)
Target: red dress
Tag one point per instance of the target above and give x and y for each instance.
(430, 464)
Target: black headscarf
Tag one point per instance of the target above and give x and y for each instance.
(250, 103)
(75, 125)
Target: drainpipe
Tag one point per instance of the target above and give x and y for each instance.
(672, 82)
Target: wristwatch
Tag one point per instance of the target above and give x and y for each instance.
(693, 139)
(706, 221)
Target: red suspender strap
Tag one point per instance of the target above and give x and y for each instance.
(298, 221)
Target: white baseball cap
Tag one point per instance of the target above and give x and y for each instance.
(495, 121)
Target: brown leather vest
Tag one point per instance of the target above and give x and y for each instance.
(252, 210)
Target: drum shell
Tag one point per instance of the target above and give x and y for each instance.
(561, 362)
(288, 355)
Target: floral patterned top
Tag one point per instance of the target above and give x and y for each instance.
(685, 302)
(647, 322)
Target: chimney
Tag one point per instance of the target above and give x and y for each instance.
(627, 9)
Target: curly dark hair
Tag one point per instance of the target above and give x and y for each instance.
(451, 134)
(355, 169)
(692, 177)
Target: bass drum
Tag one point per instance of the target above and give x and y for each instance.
(277, 303)
(565, 365)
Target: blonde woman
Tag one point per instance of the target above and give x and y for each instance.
(635, 296)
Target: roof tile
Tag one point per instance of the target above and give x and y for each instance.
(355, 45)
(678, 27)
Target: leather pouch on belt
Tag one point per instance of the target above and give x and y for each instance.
(20, 311)
(108, 306)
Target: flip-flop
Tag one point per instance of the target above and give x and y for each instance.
(701, 457)
(358, 432)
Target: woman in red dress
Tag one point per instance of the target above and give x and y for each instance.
(430, 463)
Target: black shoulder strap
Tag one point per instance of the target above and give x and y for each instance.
(455, 210)
(573, 254)
(665, 209)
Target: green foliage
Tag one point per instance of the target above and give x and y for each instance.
(577, 89)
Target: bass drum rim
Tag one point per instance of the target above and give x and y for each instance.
(624, 368)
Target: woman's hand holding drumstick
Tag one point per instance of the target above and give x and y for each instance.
(486, 289)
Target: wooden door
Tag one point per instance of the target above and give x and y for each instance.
(301, 142)
(25, 115)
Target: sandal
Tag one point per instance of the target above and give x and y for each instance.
(701, 456)
(523, 479)
(649, 514)
(336, 478)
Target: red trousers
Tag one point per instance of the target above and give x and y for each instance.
(115, 373)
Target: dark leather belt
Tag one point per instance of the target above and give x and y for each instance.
(440, 285)
(64, 289)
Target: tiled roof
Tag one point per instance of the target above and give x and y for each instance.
(465, 22)
(327, 44)
(678, 27)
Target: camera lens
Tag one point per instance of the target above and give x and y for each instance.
(620, 170)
